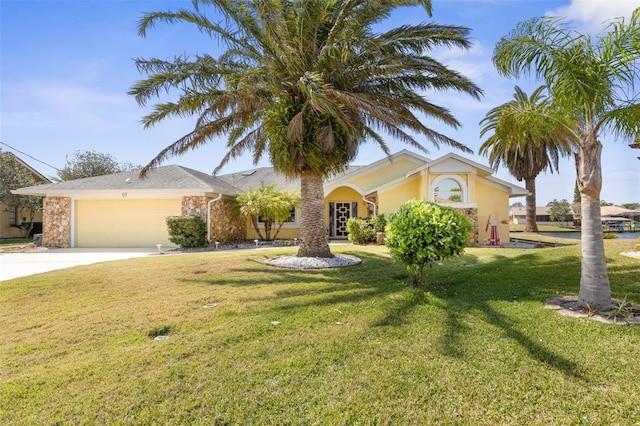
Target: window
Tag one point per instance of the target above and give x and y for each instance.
(292, 216)
(448, 190)
(11, 211)
(290, 220)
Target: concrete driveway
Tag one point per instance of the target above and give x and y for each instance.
(22, 264)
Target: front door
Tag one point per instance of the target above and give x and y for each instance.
(339, 213)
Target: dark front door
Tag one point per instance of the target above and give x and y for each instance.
(339, 213)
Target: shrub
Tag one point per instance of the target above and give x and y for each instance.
(379, 222)
(187, 231)
(360, 230)
(421, 233)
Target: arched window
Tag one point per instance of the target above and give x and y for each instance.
(448, 190)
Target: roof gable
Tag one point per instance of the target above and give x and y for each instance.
(454, 163)
(36, 174)
(381, 172)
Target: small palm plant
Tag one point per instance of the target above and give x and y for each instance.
(268, 205)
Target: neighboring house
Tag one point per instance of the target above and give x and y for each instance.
(121, 210)
(614, 218)
(10, 215)
(543, 215)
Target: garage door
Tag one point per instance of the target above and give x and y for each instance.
(124, 223)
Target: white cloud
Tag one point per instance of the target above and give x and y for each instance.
(591, 15)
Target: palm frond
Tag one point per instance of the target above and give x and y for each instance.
(306, 80)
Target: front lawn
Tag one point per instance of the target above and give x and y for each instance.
(252, 344)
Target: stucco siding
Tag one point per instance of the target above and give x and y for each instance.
(391, 199)
(493, 206)
(380, 176)
(124, 223)
(284, 234)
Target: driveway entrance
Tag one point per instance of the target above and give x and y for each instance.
(22, 264)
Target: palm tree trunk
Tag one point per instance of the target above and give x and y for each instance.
(313, 235)
(275, 236)
(256, 226)
(268, 223)
(594, 280)
(530, 224)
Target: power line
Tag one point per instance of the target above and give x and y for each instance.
(33, 158)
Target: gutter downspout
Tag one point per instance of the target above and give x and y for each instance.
(209, 215)
(370, 202)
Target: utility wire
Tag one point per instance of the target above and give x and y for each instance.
(33, 158)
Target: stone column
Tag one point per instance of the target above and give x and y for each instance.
(472, 214)
(56, 222)
(225, 226)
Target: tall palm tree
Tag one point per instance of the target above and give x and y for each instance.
(529, 137)
(305, 82)
(595, 82)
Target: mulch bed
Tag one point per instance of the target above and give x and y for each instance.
(621, 313)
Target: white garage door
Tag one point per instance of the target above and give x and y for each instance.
(124, 223)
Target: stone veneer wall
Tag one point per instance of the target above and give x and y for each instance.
(472, 215)
(56, 223)
(225, 226)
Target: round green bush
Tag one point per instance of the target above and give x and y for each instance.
(187, 231)
(422, 233)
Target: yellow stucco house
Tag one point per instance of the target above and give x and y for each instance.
(11, 215)
(121, 210)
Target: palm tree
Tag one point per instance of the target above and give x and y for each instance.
(595, 83)
(268, 203)
(529, 137)
(305, 82)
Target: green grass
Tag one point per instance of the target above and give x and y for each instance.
(566, 227)
(13, 243)
(353, 345)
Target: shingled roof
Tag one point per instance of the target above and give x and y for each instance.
(163, 178)
(254, 178)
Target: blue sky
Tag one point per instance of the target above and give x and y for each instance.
(66, 67)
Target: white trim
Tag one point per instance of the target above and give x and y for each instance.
(472, 163)
(348, 185)
(464, 187)
(460, 205)
(291, 225)
(116, 194)
(72, 224)
(511, 189)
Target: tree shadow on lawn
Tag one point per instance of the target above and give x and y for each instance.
(521, 279)
(460, 287)
(471, 293)
(376, 276)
